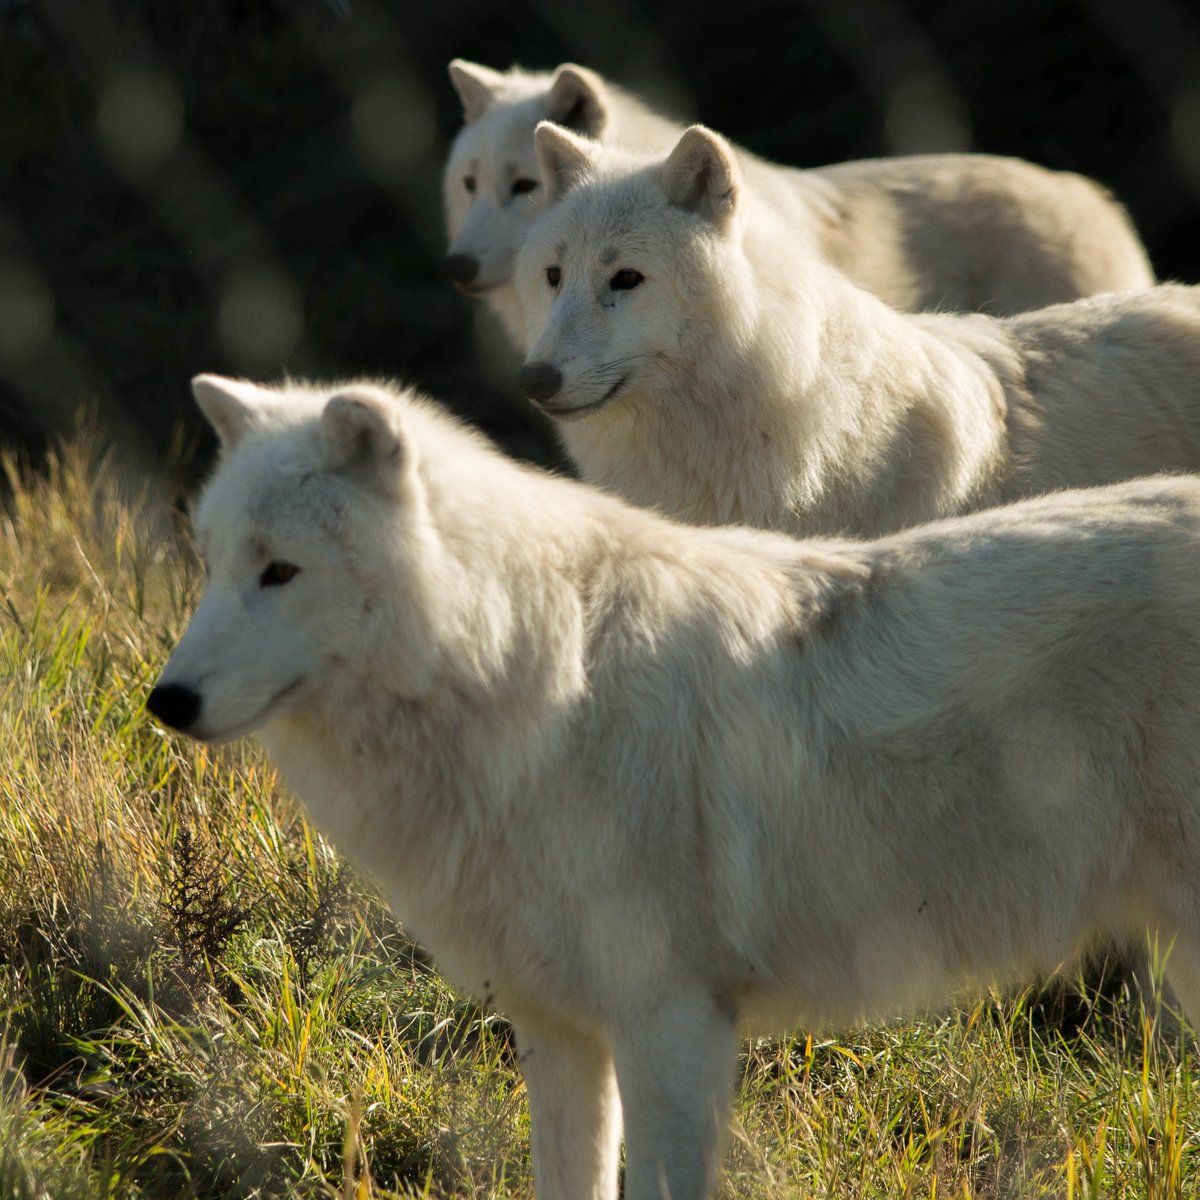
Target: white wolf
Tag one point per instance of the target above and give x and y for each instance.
(641, 784)
(946, 231)
(703, 362)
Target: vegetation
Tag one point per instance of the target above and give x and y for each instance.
(200, 999)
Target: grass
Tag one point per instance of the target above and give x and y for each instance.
(200, 999)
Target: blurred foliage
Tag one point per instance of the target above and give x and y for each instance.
(172, 175)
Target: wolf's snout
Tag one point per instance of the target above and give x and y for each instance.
(174, 704)
(539, 380)
(462, 268)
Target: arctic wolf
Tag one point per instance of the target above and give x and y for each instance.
(641, 785)
(704, 362)
(945, 231)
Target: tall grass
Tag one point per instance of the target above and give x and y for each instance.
(199, 999)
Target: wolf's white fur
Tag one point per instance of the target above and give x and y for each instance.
(640, 784)
(747, 381)
(935, 231)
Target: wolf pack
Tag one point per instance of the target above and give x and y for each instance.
(860, 664)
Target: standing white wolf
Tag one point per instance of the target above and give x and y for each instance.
(641, 785)
(944, 231)
(704, 362)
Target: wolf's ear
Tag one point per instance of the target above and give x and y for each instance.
(578, 100)
(702, 175)
(564, 159)
(231, 406)
(361, 429)
(476, 87)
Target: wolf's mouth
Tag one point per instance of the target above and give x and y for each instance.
(475, 290)
(567, 414)
(263, 714)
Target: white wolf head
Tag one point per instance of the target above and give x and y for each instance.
(314, 533)
(633, 268)
(491, 187)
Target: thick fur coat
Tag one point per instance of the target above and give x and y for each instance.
(642, 785)
(704, 362)
(934, 231)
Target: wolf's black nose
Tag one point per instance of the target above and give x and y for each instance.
(461, 268)
(174, 704)
(540, 380)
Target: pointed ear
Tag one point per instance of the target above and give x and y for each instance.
(362, 429)
(563, 158)
(578, 100)
(231, 406)
(702, 175)
(476, 87)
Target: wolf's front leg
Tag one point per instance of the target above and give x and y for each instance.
(675, 1067)
(574, 1111)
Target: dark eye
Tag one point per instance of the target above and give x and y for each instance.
(523, 185)
(622, 281)
(553, 276)
(469, 183)
(277, 573)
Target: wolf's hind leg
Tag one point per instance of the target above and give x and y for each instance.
(1183, 977)
(675, 1067)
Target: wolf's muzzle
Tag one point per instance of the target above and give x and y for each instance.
(540, 380)
(174, 704)
(462, 268)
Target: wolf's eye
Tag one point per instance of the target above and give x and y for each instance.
(553, 276)
(469, 183)
(622, 281)
(523, 185)
(277, 573)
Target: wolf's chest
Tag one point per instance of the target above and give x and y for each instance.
(478, 899)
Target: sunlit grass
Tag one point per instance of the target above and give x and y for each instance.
(200, 999)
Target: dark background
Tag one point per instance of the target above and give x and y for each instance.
(252, 186)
